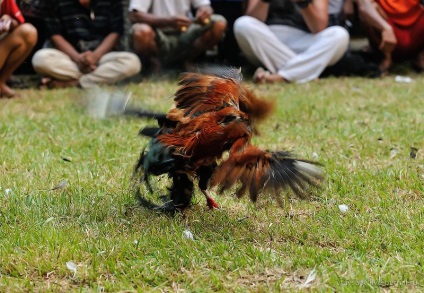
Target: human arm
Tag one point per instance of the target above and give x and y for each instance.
(11, 16)
(61, 44)
(348, 9)
(176, 21)
(375, 18)
(258, 9)
(203, 14)
(315, 15)
(90, 59)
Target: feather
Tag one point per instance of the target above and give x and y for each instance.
(213, 113)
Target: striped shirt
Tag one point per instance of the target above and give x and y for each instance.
(84, 28)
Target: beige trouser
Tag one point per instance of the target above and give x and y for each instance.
(112, 67)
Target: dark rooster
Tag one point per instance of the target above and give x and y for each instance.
(215, 113)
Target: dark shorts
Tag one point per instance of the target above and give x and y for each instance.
(177, 46)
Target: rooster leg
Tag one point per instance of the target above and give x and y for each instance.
(205, 173)
(209, 200)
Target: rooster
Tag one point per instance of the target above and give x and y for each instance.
(213, 114)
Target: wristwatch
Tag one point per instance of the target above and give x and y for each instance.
(302, 3)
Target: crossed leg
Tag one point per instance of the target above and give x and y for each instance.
(14, 49)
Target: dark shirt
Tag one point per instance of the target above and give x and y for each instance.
(84, 28)
(284, 12)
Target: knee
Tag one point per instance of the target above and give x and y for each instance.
(29, 34)
(142, 35)
(39, 59)
(219, 26)
(339, 35)
(243, 25)
(134, 64)
(129, 63)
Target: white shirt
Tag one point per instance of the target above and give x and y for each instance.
(167, 8)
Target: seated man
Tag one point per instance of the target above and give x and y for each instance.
(16, 42)
(290, 38)
(84, 39)
(165, 32)
(396, 29)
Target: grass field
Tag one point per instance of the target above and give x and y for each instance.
(362, 130)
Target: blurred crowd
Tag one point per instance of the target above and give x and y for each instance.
(86, 43)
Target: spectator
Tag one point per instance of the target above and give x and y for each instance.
(165, 31)
(16, 42)
(396, 29)
(83, 45)
(34, 12)
(290, 38)
(351, 63)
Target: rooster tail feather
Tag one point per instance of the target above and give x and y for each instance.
(274, 172)
(149, 131)
(297, 174)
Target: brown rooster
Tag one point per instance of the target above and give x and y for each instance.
(213, 113)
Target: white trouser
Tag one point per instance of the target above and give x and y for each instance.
(294, 54)
(112, 67)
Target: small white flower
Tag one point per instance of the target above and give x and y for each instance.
(343, 208)
(72, 267)
(7, 191)
(187, 234)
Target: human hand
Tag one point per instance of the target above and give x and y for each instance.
(203, 15)
(387, 45)
(90, 60)
(388, 41)
(180, 23)
(85, 62)
(5, 23)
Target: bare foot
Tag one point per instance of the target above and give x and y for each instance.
(264, 76)
(52, 83)
(6, 92)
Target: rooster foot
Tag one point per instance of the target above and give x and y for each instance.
(210, 201)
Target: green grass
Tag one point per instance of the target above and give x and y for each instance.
(361, 130)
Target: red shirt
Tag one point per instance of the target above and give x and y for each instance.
(402, 12)
(10, 7)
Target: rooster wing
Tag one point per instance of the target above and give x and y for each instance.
(259, 170)
(199, 93)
